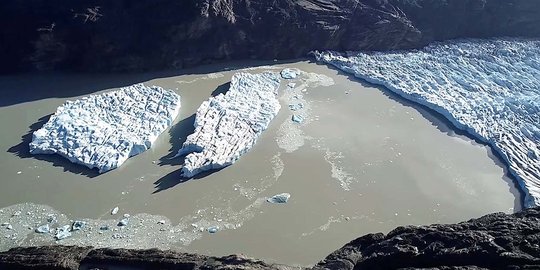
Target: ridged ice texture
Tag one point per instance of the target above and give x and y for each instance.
(489, 88)
(103, 131)
(228, 125)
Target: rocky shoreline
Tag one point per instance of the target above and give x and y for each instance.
(124, 35)
(495, 241)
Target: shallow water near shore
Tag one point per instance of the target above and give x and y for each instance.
(360, 162)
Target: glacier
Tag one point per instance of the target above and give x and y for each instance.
(228, 125)
(102, 131)
(488, 88)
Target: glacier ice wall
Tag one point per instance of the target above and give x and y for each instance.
(489, 88)
(228, 125)
(103, 131)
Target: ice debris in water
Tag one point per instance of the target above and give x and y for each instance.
(290, 73)
(114, 211)
(279, 198)
(123, 222)
(489, 88)
(228, 125)
(297, 118)
(102, 131)
(78, 225)
(213, 229)
(62, 232)
(43, 229)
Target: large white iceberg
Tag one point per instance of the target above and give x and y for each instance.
(102, 131)
(228, 125)
(489, 88)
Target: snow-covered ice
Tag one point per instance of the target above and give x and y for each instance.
(289, 73)
(103, 131)
(489, 88)
(228, 125)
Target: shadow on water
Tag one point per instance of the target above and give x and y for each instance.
(222, 89)
(440, 122)
(175, 178)
(22, 150)
(27, 87)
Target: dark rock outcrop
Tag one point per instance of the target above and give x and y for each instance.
(496, 241)
(102, 35)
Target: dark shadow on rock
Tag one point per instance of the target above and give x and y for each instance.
(444, 125)
(178, 133)
(22, 150)
(222, 89)
(175, 178)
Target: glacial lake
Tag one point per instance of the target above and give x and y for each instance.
(362, 161)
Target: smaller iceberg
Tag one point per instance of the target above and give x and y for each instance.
(290, 73)
(279, 198)
(103, 131)
(228, 125)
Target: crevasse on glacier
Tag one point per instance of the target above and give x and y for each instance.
(228, 125)
(489, 88)
(103, 131)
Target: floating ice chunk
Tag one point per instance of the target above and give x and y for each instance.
(104, 228)
(213, 229)
(290, 73)
(62, 232)
(43, 229)
(296, 107)
(114, 211)
(228, 125)
(78, 225)
(291, 85)
(102, 131)
(488, 88)
(297, 118)
(279, 198)
(123, 222)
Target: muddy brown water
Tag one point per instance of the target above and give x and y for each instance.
(363, 161)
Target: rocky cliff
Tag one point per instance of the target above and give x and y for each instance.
(496, 241)
(120, 35)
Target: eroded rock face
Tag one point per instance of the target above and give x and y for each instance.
(102, 131)
(495, 241)
(228, 125)
(127, 35)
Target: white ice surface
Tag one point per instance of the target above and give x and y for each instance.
(488, 88)
(103, 131)
(228, 125)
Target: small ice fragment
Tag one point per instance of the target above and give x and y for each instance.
(347, 218)
(9, 227)
(291, 85)
(279, 198)
(213, 229)
(17, 213)
(19, 172)
(114, 211)
(123, 222)
(104, 228)
(161, 222)
(5, 224)
(296, 107)
(43, 228)
(297, 119)
(78, 225)
(194, 225)
(289, 73)
(62, 232)
(126, 215)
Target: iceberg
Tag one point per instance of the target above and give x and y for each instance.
(102, 131)
(228, 125)
(488, 88)
(290, 73)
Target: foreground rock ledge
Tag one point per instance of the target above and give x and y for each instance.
(495, 241)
